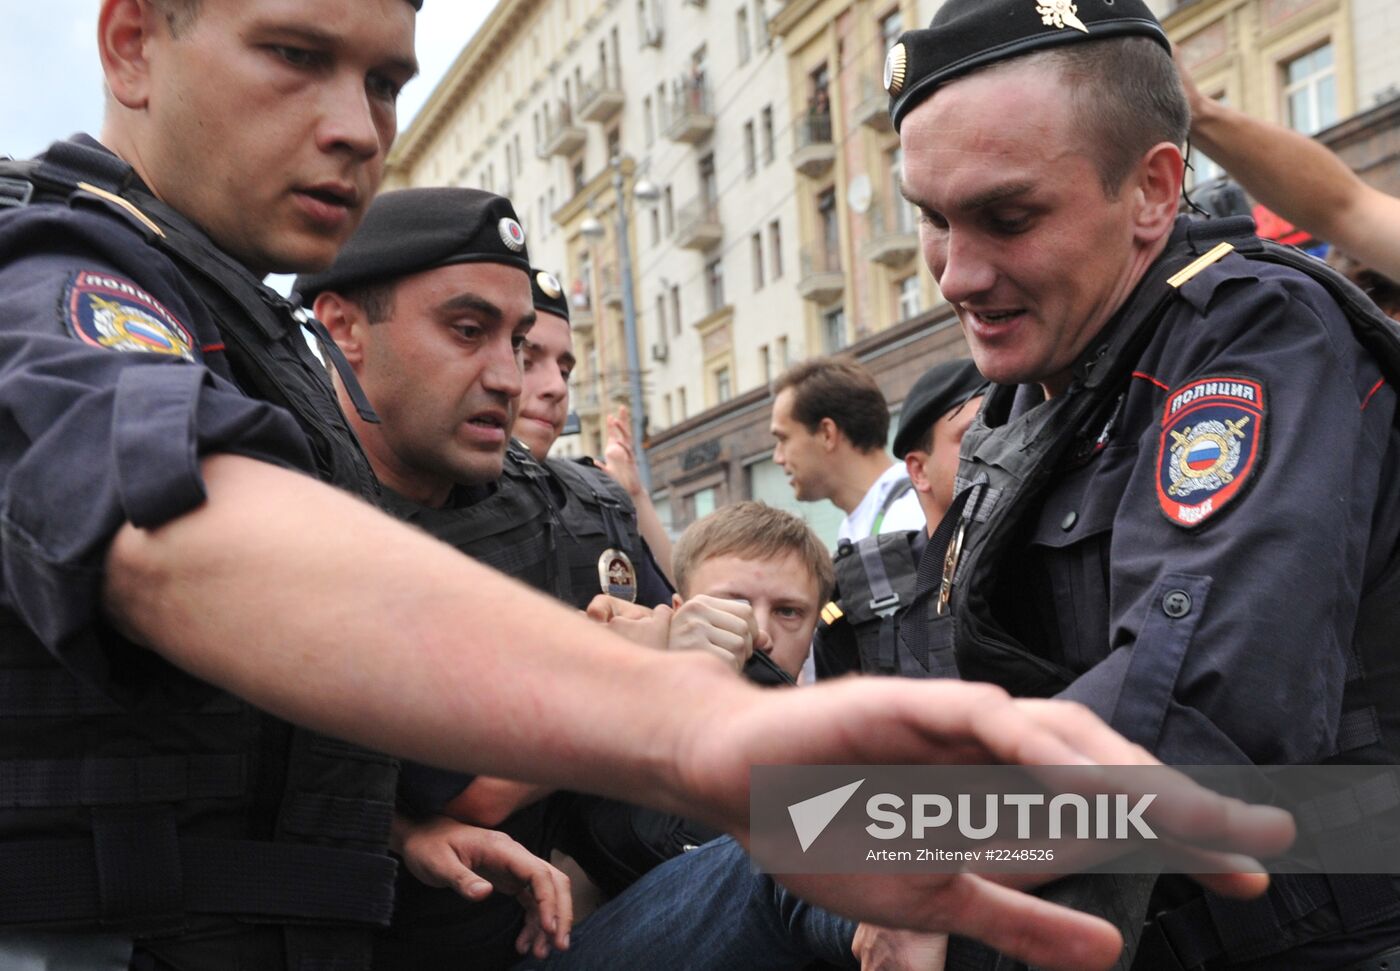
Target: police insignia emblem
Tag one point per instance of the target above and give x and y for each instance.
(617, 576)
(896, 67)
(1212, 437)
(549, 285)
(1060, 14)
(111, 312)
(512, 234)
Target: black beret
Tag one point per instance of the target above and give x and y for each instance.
(941, 389)
(414, 230)
(548, 294)
(968, 34)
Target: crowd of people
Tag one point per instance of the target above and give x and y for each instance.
(315, 658)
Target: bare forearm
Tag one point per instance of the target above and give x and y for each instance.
(489, 801)
(319, 609)
(1303, 181)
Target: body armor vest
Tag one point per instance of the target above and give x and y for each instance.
(597, 515)
(515, 529)
(196, 814)
(875, 581)
(1006, 470)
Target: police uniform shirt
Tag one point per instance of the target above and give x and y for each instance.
(1211, 620)
(113, 384)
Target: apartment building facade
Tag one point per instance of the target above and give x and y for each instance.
(774, 229)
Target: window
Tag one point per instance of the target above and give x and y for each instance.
(891, 26)
(655, 226)
(709, 182)
(661, 320)
(765, 364)
(703, 503)
(741, 28)
(769, 149)
(668, 208)
(750, 151)
(614, 143)
(648, 123)
(784, 355)
(756, 255)
(830, 227)
(724, 385)
(775, 249)
(577, 178)
(1310, 90)
(714, 283)
(676, 318)
(760, 21)
(519, 161)
(537, 132)
(908, 296)
(666, 409)
(833, 330)
(680, 399)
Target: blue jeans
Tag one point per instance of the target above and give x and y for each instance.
(706, 910)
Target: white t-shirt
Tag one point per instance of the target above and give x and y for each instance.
(903, 514)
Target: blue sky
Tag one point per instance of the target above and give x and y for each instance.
(53, 82)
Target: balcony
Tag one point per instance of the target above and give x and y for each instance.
(562, 134)
(586, 400)
(600, 97)
(873, 109)
(822, 280)
(894, 238)
(689, 117)
(698, 226)
(581, 317)
(610, 285)
(815, 153)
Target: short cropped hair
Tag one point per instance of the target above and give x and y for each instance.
(375, 299)
(1127, 98)
(179, 14)
(843, 391)
(752, 531)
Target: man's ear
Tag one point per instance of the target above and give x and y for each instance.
(125, 32)
(829, 434)
(1157, 187)
(346, 323)
(914, 462)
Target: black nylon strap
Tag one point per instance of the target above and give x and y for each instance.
(57, 880)
(43, 783)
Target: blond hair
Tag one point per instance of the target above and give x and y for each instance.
(752, 531)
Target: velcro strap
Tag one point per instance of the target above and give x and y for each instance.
(1363, 898)
(338, 818)
(57, 880)
(1358, 728)
(43, 783)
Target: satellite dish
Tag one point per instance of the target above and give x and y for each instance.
(859, 194)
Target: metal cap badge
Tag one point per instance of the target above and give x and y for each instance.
(617, 576)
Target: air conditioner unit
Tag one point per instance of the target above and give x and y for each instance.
(659, 352)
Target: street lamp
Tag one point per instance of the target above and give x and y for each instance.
(647, 194)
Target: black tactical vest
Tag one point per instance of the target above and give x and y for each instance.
(597, 514)
(1004, 473)
(875, 581)
(204, 814)
(514, 529)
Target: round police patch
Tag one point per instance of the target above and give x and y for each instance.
(1212, 437)
(109, 311)
(512, 234)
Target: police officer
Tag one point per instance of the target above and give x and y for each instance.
(167, 549)
(431, 305)
(1146, 522)
(875, 576)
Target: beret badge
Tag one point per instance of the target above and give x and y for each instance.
(896, 67)
(512, 234)
(548, 284)
(1060, 14)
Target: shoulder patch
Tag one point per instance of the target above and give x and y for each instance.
(109, 311)
(1212, 440)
